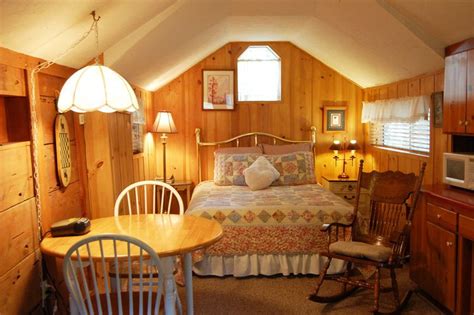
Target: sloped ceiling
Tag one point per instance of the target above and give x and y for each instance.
(150, 42)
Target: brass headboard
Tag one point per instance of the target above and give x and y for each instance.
(251, 135)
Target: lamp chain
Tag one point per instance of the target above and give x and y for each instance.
(34, 135)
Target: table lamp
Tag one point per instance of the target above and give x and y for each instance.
(337, 146)
(164, 124)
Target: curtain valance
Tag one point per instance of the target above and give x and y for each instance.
(405, 109)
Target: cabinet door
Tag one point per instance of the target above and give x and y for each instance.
(454, 108)
(470, 92)
(441, 264)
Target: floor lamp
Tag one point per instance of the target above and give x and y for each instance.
(164, 124)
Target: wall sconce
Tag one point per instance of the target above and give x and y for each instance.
(337, 147)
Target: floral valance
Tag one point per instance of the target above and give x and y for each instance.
(405, 109)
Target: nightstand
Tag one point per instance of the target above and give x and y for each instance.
(344, 188)
(183, 186)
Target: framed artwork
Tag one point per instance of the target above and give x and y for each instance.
(218, 89)
(334, 118)
(437, 99)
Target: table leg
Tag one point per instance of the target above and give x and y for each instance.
(170, 287)
(188, 276)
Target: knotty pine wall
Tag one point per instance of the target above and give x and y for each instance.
(306, 84)
(381, 159)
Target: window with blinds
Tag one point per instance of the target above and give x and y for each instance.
(407, 136)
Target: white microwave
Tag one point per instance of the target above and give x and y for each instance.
(458, 170)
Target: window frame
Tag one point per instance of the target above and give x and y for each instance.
(282, 75)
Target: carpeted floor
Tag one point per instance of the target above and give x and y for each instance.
(287, 295)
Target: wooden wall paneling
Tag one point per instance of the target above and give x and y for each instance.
(99, 168)
(402, 89)
(306, 83)
(20, 287)
(439, 81)
(414, 87)
(392, 91)
(383, 93)
(427, 85)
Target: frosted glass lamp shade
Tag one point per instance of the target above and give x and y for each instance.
(97, 88)
(164, 123)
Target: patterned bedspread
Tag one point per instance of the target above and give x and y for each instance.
(276, 220)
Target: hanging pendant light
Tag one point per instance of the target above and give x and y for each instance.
(97, 88)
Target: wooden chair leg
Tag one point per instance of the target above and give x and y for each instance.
(347, 274)
(396, 294)
(322, 275)
(376, 290)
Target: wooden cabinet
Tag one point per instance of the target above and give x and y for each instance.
(458, 108)
(442, 243)
(19, 270)
(441, 265)
(12, 81)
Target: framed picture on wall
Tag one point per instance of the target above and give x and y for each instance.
(334, 118)
(437, 99)
(218, 89)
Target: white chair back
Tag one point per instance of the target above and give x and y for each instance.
(148, 197)
(91, 290)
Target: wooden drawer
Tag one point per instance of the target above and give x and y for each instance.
(18, 238)
(342, 187)
(12, 81)
(20, 287)
(466, 227)
(441, 216)
(16, 180)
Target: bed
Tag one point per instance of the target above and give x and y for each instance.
(266, 232)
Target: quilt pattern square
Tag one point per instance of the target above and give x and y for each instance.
(294, 168)
(229, 168)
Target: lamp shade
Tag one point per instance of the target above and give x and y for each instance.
(353, 145)
(336, 145)
(97, 88)
(164, 123)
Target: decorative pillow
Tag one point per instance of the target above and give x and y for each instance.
(260, 174)
(294, 168)
(229, 168)
(239, 150)
(286, 148)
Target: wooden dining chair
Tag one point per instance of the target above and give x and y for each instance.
(393, 198)
(90, 292)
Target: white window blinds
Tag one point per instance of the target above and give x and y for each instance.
(406, 136)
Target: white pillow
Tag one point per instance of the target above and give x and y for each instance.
(260, 174)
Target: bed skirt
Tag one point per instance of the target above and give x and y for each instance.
(254, 265)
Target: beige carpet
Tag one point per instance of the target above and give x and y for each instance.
(287, 295)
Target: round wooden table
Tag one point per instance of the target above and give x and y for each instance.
(168, 234)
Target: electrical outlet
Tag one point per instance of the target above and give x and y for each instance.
(82, 119)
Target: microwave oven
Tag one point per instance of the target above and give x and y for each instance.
(458, 170)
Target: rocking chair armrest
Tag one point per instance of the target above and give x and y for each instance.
(327, 226)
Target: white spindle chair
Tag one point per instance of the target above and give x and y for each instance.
(154, 189)
(90, 291)
(152, 197)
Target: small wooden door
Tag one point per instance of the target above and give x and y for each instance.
(454, 108)
(470, 92)
(441, 264)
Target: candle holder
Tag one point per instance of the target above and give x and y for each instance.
(343, 148)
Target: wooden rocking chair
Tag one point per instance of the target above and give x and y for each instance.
(384, 245)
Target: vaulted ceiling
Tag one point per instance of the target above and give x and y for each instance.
(150, 42)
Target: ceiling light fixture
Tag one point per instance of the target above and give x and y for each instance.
(97, 87)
